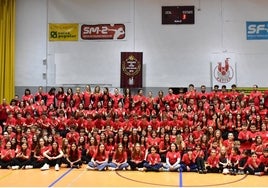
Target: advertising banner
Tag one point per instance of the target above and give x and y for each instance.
(63, 32)
(103, 32)
(257, 30)
(131, 69)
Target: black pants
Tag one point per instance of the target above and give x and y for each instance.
(6, 164)
(22, 162)
(134, 166)
(53, 162)
(200, 163)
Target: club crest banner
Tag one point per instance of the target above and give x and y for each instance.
(223, 69)
(131, 69)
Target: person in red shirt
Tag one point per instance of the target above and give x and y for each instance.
(137, 158)
(138, 99)
(60, 97)
(254, 165)
(53, 157)
(257, 146)
(153, 140)
(213, 162)
(74, 156)
(153, 161)
(119, 160)
(27, 95)
(23, 157)
(188, 163)
(255, 95)
(96, 96)
(90, 150)
(171, 99)
(38, 157)
(164, 147)
(40, 95)
(244, 137)
(3, 112)
(51, 97)
(78, 97)
(233, 160)
(243, 162)
(7, 156)
(229, 143)
(264, 160)
(99, 160)
(173, 158)
(200, 159)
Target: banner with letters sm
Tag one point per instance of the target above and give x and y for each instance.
(257, 30)
(223, 69)
(131, 70)
(103, 32)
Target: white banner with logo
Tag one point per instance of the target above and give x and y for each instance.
(223, 69)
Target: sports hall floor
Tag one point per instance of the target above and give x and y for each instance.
(83, 178)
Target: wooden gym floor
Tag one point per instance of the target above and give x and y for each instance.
(83, 178)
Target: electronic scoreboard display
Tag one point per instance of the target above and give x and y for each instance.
(178, 15)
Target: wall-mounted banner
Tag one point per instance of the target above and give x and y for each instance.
(103, 32)
(63, 32)
(131, 69)
(257, 30)
(223, 69)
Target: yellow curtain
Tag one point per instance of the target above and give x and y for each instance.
(7, 49)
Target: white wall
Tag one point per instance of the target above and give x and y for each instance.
(173, 55)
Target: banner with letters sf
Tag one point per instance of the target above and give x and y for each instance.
(63, 32)
(131, 69)
(257, 30)
(223, 69)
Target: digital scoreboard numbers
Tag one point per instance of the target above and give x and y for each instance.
(178, 15)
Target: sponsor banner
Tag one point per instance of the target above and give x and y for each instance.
(63, 32)
(131, 69)
(223, 69)
(257, 30)
(103, 32)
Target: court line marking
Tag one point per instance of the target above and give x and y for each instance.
(143, 182)
(209, 185)
(6, 175)
(77, 177)
(180, 181)
(62, 176)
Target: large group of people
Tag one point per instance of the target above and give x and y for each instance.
(218, 131)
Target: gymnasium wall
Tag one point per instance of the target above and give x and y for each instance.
(173, 55)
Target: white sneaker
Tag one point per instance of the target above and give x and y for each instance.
(15, 167)
(45, 167)
(57, 168)
(28, 166)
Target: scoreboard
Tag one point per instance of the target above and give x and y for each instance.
(178, 15)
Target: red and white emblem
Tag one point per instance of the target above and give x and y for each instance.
(223, 73)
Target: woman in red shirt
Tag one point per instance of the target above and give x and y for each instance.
(173, 158)
(99, 160)
(23, 157)
(119, 161)
(53, 157)
(7, 156)
(153, 161)
(254, 165)
(73, 159)
(38, 158)
(137, 158)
